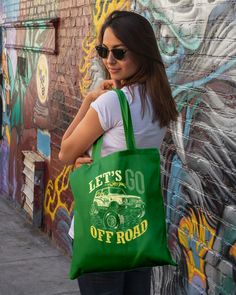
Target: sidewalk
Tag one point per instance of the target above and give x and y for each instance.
(29, 263)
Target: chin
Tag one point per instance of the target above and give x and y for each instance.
(116, 77)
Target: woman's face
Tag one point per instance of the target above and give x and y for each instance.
(118, 69)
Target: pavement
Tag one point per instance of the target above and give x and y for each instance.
(30, 264)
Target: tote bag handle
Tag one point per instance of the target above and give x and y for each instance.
(128, 127)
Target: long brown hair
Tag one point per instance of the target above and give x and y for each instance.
(136, 33)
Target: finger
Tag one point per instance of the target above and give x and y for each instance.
(108, 84)
(113, 83)
(77, 165)
(83, 160)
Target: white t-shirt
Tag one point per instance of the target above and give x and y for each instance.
(147, 133)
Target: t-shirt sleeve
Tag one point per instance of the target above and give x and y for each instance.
(108, 108)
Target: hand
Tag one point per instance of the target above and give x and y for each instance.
(109, 84)
(102, 88)
(85, 159)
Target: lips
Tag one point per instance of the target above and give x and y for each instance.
(113, 71)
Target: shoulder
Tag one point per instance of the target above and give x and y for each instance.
(108, 108)
(110, 99)
(107, 99)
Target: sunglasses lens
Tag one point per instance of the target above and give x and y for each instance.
(118, 53)
(102, 51)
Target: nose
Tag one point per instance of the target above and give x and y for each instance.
(110, 58)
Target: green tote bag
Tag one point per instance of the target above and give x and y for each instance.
(119, 218)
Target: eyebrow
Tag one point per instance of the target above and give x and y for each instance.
(115, 46)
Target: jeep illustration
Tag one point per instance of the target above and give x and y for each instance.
(113, 209)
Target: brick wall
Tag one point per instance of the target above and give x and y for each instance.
(49, 65)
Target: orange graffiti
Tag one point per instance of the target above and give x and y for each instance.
(52, 200)
(232, 251)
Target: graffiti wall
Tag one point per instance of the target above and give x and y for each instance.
(49, 64)
(198, 47)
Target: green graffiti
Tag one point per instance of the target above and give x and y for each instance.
(20, 83)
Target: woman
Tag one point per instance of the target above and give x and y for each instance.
(131, 58)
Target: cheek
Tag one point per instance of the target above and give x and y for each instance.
(132, 67)
(133, 63)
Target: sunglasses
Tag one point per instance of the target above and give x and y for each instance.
(103, 52)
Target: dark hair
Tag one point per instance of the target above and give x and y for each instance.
(137, 34)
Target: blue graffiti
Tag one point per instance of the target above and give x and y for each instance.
(202, 81)
(43, 143)
(11, 9)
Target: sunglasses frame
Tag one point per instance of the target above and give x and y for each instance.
(115, 51)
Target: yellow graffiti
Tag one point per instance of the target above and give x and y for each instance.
(7, 94)
(6, 78)
(53, 200)
(197, 237)
(102, 10)
(8, 135)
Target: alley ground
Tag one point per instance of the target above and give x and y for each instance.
(30, 264)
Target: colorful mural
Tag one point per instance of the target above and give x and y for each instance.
(7, 86)
(18, 71)
(20, 79)
(42, 90)
(58, 209)
(200, 187)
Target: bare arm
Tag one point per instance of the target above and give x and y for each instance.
(85, 128)
(79, 116)
(81, 138)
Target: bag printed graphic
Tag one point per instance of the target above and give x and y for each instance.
(116, 215)
(119, 212)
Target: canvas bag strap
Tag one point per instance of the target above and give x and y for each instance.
(127, 120)
(128, 127)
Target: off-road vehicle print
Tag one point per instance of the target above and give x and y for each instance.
(113, 209)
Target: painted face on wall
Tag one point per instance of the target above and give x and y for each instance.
(121, 66)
